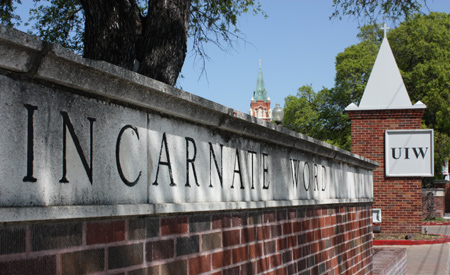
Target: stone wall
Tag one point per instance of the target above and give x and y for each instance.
(107, 171)
(400, 198)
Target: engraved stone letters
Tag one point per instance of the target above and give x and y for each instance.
(75, 150)
(164, 160)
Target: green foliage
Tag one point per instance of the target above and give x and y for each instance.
(210, 21)
(372, 33)
(301, 112)
(353, 67)
(62, 21)
(7, 16)
(59, 21)
(422, 50)
(315, 115)
(335, 130)
(370, 10)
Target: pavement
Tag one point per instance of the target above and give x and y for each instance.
(429, 259)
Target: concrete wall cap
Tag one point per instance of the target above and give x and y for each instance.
(101, 79)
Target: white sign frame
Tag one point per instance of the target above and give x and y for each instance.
(405, 165)
(376, 215)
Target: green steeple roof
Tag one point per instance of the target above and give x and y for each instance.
(260, 93)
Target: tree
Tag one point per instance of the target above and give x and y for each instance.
(315, 115)
(149, 37)
(421, 47)
(393, 10)
(301, 113)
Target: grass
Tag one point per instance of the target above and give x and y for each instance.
(417, 236)
(437, 220)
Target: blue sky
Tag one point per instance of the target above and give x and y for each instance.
(297, 44)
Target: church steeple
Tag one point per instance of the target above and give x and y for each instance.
(260, 92)
(260, 103)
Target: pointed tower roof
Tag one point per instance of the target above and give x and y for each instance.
(385, 88)
(260, 92)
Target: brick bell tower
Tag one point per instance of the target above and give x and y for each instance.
(260, 103)
(385, 105)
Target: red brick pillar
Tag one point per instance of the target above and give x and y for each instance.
(446, 185)
(400, 198)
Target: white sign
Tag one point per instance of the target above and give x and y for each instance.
(409, 153)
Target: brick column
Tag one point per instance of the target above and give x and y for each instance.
(400, 198)
(446, 185)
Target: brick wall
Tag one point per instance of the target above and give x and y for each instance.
(390, 261)
(400, 199)
(306, 240)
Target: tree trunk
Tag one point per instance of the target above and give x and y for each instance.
(163, 47)
(111, 31)
(116, 32)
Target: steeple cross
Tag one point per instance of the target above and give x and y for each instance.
(260, 63)
(385, 28)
